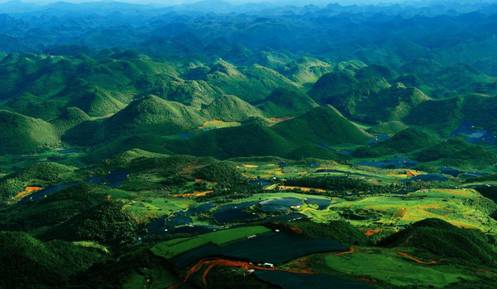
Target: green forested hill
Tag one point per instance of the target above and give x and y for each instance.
(286, 102)
(38, 264)
(322, 125)
(23, 134)
(345, 88)
(153, 112)
(230, 108)
(246, 140)
(405, 141)
(252, 83)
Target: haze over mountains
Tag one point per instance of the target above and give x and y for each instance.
(171, 71)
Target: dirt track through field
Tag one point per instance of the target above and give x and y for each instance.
(416, 259)
(351, 250)
(206, 265)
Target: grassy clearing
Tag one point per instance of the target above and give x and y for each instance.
(172, 248)
(262, 170)
(462, 207)
(390, 267)
(146, 209)
(94, 245)
(215, 124)
(319, 216)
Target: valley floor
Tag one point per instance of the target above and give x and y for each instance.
(160, 221)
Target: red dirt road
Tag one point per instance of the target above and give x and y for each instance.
(206, 265)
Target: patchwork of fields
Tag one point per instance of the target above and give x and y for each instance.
(311, 221)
